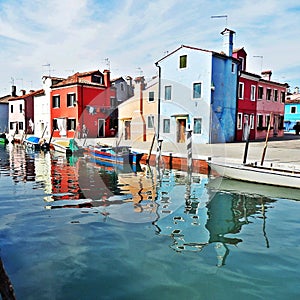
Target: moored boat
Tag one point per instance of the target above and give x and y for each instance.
(272, 175)
(115, 155)
(3, 139)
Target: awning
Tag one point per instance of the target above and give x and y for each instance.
(180, 116)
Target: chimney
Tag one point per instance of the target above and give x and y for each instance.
(129, 80)
(14, 91)
(106, 78)
(296, 91)
(228, 41)
(23, 92)
(266, 75)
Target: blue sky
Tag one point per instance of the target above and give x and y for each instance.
(80, 35)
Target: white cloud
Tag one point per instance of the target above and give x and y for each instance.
(79, 35)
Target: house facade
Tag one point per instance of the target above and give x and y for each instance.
(83, 105)
(292, 110)
(4, 114)
(21, 114)
(198, 93)
(138, 114)
(260, 101)
(42, 123)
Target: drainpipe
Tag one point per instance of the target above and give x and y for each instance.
(158, 104)
(142, 110)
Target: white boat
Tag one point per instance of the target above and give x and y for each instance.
(252, 189)
(272, 175)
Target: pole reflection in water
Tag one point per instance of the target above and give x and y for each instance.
(181, 206)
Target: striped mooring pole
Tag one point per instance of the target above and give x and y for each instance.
(189, 152)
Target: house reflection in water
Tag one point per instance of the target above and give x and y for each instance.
(207, 217)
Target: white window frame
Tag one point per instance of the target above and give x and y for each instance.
(170, 87)
(164, 127)
(252, 121)
(241, 90)
(150, 122)
(252, 92)
(197, 98)
(239, 122)
(200, 125)
(275, 99)
(262, 95)
(293, 107)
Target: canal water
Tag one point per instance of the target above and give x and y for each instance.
(71, 228)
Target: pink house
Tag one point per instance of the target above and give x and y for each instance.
(260, 101)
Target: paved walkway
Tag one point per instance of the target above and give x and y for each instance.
(279, 150)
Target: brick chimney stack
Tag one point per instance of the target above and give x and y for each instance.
(266, 75)
(106, 78)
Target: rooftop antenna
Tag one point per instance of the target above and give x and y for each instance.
(261, 61)
(219, 17)
(140, 70)
(12, 81)
(21, 79)
(107, 62)
(49, 69)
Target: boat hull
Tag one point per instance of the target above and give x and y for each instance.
(252, 173)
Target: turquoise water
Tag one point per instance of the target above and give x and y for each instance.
(187, 242)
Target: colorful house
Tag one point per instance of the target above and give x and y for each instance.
(292, 110)
(198, 92)
(84, 103)
(4, 113)
(260, 101)
(21, 114)
(42, 123)
(138, 115)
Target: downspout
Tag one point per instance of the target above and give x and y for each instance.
(142, 110)
(158, 103)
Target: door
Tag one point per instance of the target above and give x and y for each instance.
(276, 123)
(101, 127)
(127, 130)
(181, 128)
(246, 127)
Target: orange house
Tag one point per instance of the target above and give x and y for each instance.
(83, 105)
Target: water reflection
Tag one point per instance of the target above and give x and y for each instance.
(187, 209)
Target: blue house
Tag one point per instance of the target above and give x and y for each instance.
(4, 113)
(198, 92)
(292, 111)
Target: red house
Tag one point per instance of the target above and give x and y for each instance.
(83, 105)
(260, 101)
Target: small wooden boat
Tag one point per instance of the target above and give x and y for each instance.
(32, 142)
(115, 155)
(67, 146)
(272, 175)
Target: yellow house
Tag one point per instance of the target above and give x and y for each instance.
(138, 114)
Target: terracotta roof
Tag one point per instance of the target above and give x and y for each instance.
(77, 78)
(5, 99)
(34, 93)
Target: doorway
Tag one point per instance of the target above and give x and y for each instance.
(101, 128)
(181, 128)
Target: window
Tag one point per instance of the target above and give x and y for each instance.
(54, 124)
(11, 125)
(96, 78)
(253, 90)
(21, 127)
(260, 121)
(21, 108)
(242, 63)
(122, 87)
(166, 126)
(150, 122)
(182, 61)
(282, 97)
(269, 94)
(260, 93)
(268, 119)
(197, 90)
(11, 108)
(252, 121)
(241, 90)
(113, 102)
(197, 126)
(151, 97)
(168, 90)
(293, 109)
(232, 68)
(71, 99)
(71, 124)
(275, 95)
(56, 101)
(239, 121)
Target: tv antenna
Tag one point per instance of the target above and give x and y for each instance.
(261, 60)
(49, 68)
(220, 17)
